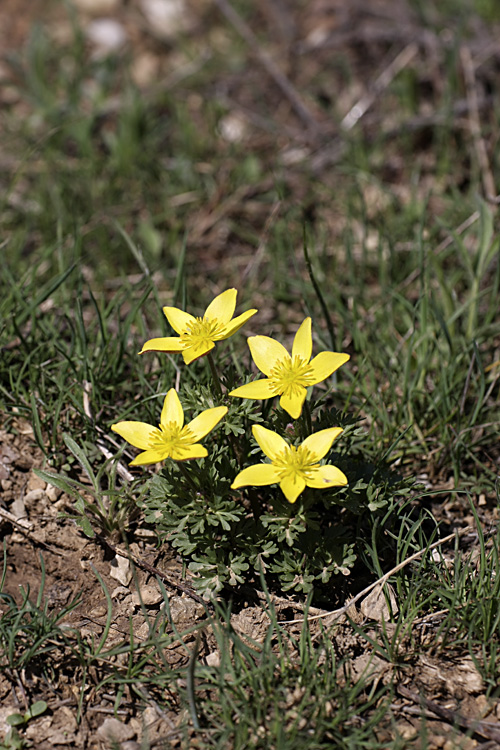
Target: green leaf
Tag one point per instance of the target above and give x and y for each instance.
(37, 709)
(85, 525)
(57, 480)
(81, 458)
(16, 720)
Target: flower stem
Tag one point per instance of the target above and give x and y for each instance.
(307, 421)
(254, 504)
(218, 388)
(215, 375)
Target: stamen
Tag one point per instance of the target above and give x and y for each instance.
(200, 332)
(295, 461)
(290, 376)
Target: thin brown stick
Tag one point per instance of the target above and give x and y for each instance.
(336, 613)
(270, 66)
(165, 577)
(382, 82)
(485, 728)
(475, 126)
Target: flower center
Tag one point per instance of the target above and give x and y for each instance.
(201, 332)
(172, 438)
(289, 376)
(296, 462)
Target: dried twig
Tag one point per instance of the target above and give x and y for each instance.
(268, 63)
(120, 467)
(382, 82)
(165, 577)
(485, 728)
(475, 127)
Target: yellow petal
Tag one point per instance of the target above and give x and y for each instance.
(292, 486)
(152, 456)
(222, 307)
(236, 324)
(206, 421)
(258, 389)
(320, 442)
(293, 400)
(178, 319)
(267, 352)
(256, 476)
(326, 476)
(191, 353)
(324, 364)
(166, 344)
(270, 442)
(172, 409)
(138, 434)
(303, 343)
(189, 452)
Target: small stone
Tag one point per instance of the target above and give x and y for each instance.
(33, 497)
(35, 483)
(167, 18)
(144, 70)
(53, 493)
(106, 34)
(121, 570)
(142, 632)
(375, 606)
(98, 611)
(213, 659)
(113, 730)
(120, 593)
(149, 596)
(18, 509)
(233, 127)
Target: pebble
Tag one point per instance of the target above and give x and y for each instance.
(121, 570)
(106, 34)
(35, 483)
(149, 595)
(167, 18)
(113, 730)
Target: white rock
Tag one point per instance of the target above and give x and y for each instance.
(106, 34)
(113, 730)
(233, 127)
(121, 570)
(167, 18)
(375, 607)
(149, 595)
(213, 659)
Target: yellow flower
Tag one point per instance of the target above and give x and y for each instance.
(197, 336)
(288, 376)
(172, 439)
(294, 468)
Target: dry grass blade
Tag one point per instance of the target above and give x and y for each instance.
(475, 126)
(272, 69)
(382, 82)
(381, 581)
